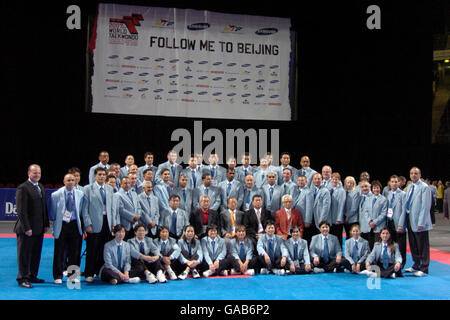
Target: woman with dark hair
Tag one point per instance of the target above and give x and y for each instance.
(386, 255)
(191, 255)
(169, 252)
(214, 253)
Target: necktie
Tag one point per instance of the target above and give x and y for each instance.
(213, 244)
(149, 203)
(173, 227)
(392, 200)
(213, 171)
(184, 195)
(295, 251)
(245, 172)
(189, 248)
(232, 218)
(408, 203)
(102, 192)
(326, 252)
(373, 202)
(271, 253)
(355, 256)
(38, 189)
(315, 193)
(130, 197)
(285, 188)
(163, 248)
(69, 202)
(168, 190)
(271, 193)
(141, 247)
(331, 192)
(263, 178)
(385, 257)
(298, 196)
(362, 202)
(303, 172)
(228, 189)
(206, 191)
(119, 256)
(242, 254)
(194, 179)
(172, 168)
(247, 199)
(198, 169)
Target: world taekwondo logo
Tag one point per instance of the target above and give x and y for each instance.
(124, 31)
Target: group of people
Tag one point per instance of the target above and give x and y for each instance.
(153, 223)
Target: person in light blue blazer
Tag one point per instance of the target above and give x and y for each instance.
(150, 209)
(103, 157)
(326, 177)
(124, 171)
(303, 201)
(242, 260)
(249, 191)
(386, 255)
(99, 220)
(286, 183)
(218, 173)
(169, 252)
(352, 201)
(185, 193)
(117, 256)
(148, 158)
(214, 249)
(191, 255)
(145, 257)
(194, 175)
(338, 197)
(321, 204)
(163, 190)
(298, 261)
(65, 212)
(127, 207)
(245, 169)
(174, 169)
(418, 222)
(285, 161)
(325, 251)
(356, 251)
(305, 170)
(206, 188)
(396, 215)
(261, 173)
(373, 215)
(272, 194)
(174, 219)
(272, 254)
(230, 188)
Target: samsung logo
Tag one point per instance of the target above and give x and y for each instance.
(113, 72)
(187, 92)
(127, 89)
(274, 81)
(246, 65)
(158, 90)
(173, 91)
(143, 74)
(173, 76)
(245, 95)
(112, 88)
(159, 59)
(232, 64)
(274, 96)
(198, 26)
(113, 56)
(217, 94)
(159, 75)
(217, 78)
(231, 94)
(274, 67)
(246, 80)
(144, 58)
(188, 61)
(129, 58)
(266, 31)
(231, 79)
(143, 89)
(128, 73)
(260, 96)
(174, 60)
(260, 81)
(202, 93)
(217, 63)
(188, 77)
(259, 66)
(202, 78)
(203, 62)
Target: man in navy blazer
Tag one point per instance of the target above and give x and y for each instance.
(418, 219)
(66, 210)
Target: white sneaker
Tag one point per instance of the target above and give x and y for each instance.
(133, 280)
(183, 275)
(234, 272)
(411, 270)
(161, 277)
(207, 273)
(319, 270)
(347, 271)
(172, 274)
(65, 273)
(419, 274)
(250, 272)
(151, 278)
(113, 281)
(366, 272)
(224, 273)
(281, 272)
(58, 281)
(195, 274)
(76, 280)
(392, 276)
(264, 271)
(90, 279)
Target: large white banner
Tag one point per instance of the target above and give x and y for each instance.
(190, 63)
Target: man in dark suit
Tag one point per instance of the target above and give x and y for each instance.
(255, 219)
(200, 218)
(30, 227)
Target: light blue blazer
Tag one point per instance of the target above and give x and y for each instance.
(92, 170)
(420, 206)
(248, 197)
(278, 246)
(149, 247)
(197, 249)
(111, 259)
(126, 209)
(58, 207)
(363, 250)
(171, 244)
(338, 198)
(219, 253)
(143, 168)
(236, 191)
(375, 256)
(290, 186)
(275, 204)
(219, 175)
(123, 172)
(160, 192)
(321, 205)
(235, 248)
(198, 178)
(93, 207)
(316, 246)
(398, 207)
(373, 212)
(351, 208)
(214, 197)
(308, 173)
(280, 173)
(261, 177)
(167, 165)
(240, 173)
(185, 205)
(182, 220)
(304, 203)
(302, 251)
(149, 213)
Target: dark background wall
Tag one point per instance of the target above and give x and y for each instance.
(364, 97)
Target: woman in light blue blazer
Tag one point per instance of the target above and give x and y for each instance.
(191, 255)
(356, 251)
(117, 256)
(242, 260)
(214, 253)
(351, 206)
(336, 215)
(386, 255)
(325, 251)
(298, 261)
(169, 252)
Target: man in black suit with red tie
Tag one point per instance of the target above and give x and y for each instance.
(255, 219)
(30, 227)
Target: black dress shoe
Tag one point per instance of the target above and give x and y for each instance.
(36, 280)
(25, 284)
